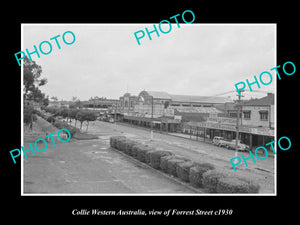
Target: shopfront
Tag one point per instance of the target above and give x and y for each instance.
(252, 136)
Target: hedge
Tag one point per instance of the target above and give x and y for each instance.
(164, 162)
(147, 156)
(236, 185)
(129, 144)
(198, 174)
(121, 144)
(114, 141)
(136, 149)
(142, 151)
(172, 164)
(197, 171)
(183, 170)
(155, 157)
(219, 182)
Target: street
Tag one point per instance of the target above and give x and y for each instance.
(91, 166)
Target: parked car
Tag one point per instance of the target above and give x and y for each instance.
(217, 140)
(231, 145)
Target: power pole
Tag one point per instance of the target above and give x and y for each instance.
(237, 125)
(116, 107)
(151, 132)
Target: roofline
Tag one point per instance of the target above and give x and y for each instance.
(259, 105)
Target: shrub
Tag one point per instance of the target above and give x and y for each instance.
(197, 171)
(155, 157)
(236, 185)
(147, 156)
(220, 182)
(135, 149)
(164, 162)
(211, 178)
(128, 146)
(59, 124)
(183, 170)
(73, 130)
(141, 151)
(172, 164)
(50, 119)
(121, 144)
(114, 141)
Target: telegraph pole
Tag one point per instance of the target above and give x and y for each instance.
(237, 124)
(116, 107)
(151, 132)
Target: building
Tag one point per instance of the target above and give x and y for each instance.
(97, 102)
(259, 116)
(259, 112)
(256, 124)
(167, 112)
(126, 103)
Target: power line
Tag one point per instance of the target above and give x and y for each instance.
(254, 91)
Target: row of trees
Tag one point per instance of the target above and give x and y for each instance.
(80, 115)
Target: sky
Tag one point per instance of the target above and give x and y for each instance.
(196, 59)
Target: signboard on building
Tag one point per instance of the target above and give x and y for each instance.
(223, 120)
(251, 130)
(169, 112)
(177, 117)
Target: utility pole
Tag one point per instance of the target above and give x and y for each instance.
(116, 107)
(237, 124)
(151, 132)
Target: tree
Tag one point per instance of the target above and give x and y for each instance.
(65, 113)
(80, 117)
(52, 109)
(29, 115)
(32, 81)
(73, 113)
(85, 115)
(75, 105)
(90, 116)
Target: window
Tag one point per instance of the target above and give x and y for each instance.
(131, 104)
(166, 104)
(126, 104)
(263, 115)
(247, 115)
(232, 114)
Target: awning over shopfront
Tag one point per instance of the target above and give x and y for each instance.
(245, 129)
(155, 120)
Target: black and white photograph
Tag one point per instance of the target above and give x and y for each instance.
(162, 117)
(165, 115)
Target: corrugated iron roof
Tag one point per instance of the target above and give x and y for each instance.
(159, 94)
(199, 99)
(268, 100)
(188, 98)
